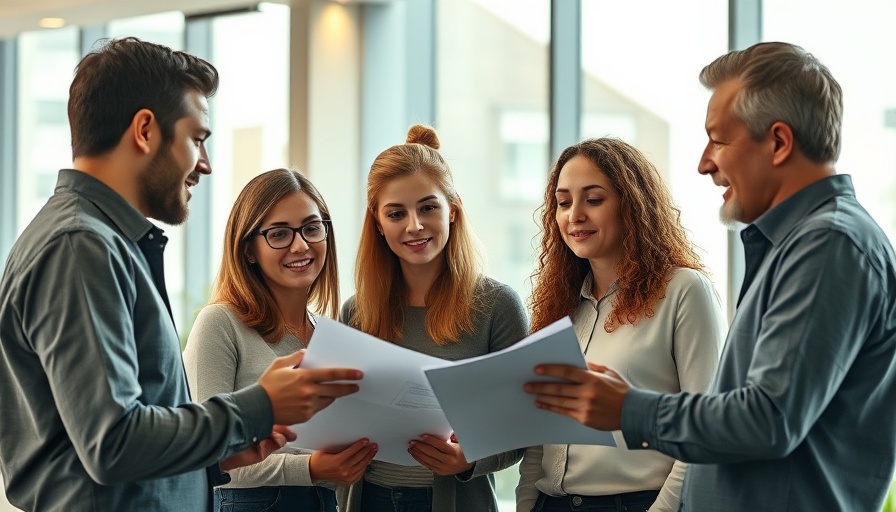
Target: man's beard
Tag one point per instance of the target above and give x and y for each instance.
(731, 212)
(162, 188)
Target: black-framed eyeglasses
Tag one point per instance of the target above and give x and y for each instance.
(281, 237)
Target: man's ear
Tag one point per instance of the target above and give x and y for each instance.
(144, 130)
(782, 137)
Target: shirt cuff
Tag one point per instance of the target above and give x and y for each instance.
(258, 414)
(639, 412)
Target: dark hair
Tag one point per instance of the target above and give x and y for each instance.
(783, 82)
(122, 76)
(655, 243)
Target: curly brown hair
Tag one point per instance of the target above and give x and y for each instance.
(654, 243)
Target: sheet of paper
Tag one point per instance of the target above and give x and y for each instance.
(484, 400)
(394, 405)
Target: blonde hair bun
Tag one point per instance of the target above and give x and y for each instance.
(422, 134)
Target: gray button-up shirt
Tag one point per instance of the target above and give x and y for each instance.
(801, 415)
(95, 409)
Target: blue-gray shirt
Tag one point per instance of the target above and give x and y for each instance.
(802, 413)
(96, 413)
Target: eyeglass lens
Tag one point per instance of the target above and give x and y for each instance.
(281, 237)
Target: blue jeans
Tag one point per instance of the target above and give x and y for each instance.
(376, 498)
(275, 499)
(638, 501)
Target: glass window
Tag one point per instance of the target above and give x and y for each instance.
(492, 118)
(250, 121)
(642, 86)
(47, 61)
(863, 28)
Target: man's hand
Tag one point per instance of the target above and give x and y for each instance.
(297, 394)
(342, 468)
(441, 457)
(260, 450)
(592, 397)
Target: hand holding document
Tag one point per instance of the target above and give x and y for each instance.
(484, 400)
(405, 394)
(393, 405)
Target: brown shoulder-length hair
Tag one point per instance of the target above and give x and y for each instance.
(654, 242)
(242, 286)
(380, 289)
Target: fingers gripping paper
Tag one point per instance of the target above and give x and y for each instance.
(405, 394)
(490, 413)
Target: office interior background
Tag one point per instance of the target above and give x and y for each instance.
(324, 86)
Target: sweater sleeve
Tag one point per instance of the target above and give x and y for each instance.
(530, 472)
(509, 322)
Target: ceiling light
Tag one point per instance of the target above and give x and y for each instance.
(51, 22)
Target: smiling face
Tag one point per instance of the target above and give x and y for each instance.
(588, 213)
(736, 161)
(165, 183)
(292, 269)
(415, 218)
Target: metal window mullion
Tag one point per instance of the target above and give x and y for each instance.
(197, 253)
(565, 74)
(744, 29)
(8, 144)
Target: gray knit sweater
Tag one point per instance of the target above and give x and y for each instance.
(499, 323)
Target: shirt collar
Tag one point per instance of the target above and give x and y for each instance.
(779, 221)
(587, 287)
(121, 213)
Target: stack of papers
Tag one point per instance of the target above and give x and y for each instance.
(405, 394)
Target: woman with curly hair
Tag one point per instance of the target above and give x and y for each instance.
(615, 258)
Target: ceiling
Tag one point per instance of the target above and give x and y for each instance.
(18, 16)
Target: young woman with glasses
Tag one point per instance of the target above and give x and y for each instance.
(279, 265)
(419, 284)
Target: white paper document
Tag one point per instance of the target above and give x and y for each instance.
(394, 405)
(490, 413)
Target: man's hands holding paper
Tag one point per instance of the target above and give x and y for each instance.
(296, 394)
(592, 397)
(441, 457)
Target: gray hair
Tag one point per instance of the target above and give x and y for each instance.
(783, 82)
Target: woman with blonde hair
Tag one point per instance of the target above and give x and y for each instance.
(615, 258)
(419, 284)
(279, 265)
